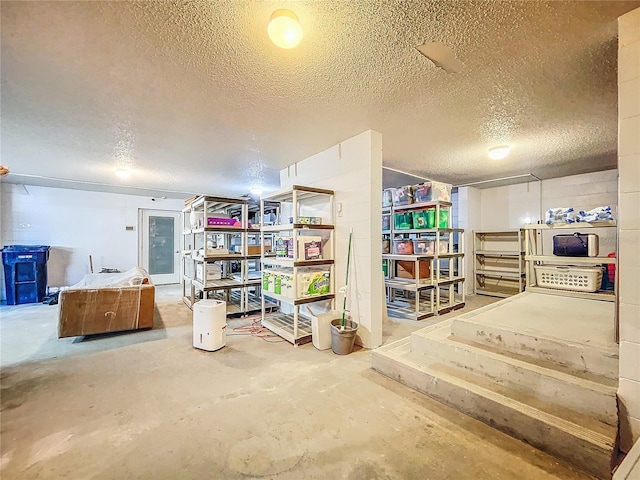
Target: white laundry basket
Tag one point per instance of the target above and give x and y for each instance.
(209, 324)
(579, 279)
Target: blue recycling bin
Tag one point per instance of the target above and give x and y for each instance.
(25, 273)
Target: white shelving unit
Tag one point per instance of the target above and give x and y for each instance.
(534, 255)
(499, 269)
(441, 290)
(231, 249)
(285, 273)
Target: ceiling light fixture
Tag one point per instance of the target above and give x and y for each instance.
(284, 29)
(123, 172)
(498, 153)
(256, 191)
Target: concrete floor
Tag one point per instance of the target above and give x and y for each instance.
(148, 405)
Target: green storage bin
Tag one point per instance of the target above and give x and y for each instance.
(402, 221)
(431, 218)
(420, 219)
(444, 218)
(385, 268)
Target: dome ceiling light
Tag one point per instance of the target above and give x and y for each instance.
(498, 153)
(284, 29)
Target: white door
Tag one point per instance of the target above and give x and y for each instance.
(159, 242)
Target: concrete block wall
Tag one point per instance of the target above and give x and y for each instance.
(629, 226)
(353, 170)
(76, 224)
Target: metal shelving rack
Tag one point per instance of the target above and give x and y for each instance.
(499, 269)
(443, 291)
(290, 322)
(534, 255)
(240, 284)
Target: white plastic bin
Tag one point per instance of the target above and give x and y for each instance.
(321, 328)
(209, 324)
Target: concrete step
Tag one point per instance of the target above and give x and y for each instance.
(550, 390)
(586, 449)
(581, 359)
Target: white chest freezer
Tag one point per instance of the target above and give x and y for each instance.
(209, 324)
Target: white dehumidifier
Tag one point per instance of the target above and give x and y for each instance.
(209, 324)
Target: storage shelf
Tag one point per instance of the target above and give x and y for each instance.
(396, 231)
(282, 325)
(295, 226)
(218, 258)
(302, 192)
(219, 229)
(408, 284)
(498, 253)
(404, 310)
(421, 205)
(299, 301)
(491, 293)
(499, 262)
(574, 226)
(570, 260)
(608, 295)
(450, 308)
(235, 288)
(410, 258)
(289, 262)
(499, 273)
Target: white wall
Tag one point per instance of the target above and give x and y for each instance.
(629, 226)
(75, 224)
(469, 218)
(353, 170)
(509, 207)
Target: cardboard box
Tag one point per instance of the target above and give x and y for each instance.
(253, 249)
(86, 311)
(406, 269)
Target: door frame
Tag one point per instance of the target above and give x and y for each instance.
(163, 279)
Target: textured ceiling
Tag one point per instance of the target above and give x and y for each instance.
(195, 96)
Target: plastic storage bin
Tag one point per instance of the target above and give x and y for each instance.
(440, 192)
(422, 192)
(387, 197)
(421, 218)
(403, 195)
(386, 246)
(443, 220)
(403, 220)
(423, 246)
(579, 279)
(386, 222)
(402, 246)
(25, 273)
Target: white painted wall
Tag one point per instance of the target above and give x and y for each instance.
(75, 224)
(353, 170)
(509, 207)
(469, 218)
(629, 226)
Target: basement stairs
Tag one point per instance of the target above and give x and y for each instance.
(541, 368)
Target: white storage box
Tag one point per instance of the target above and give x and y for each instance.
(209, 324)
(579, 279)
(213, 270)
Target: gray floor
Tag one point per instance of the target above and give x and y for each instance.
(148, 405)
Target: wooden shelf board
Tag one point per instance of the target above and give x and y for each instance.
(409, 258)
(289, 262)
